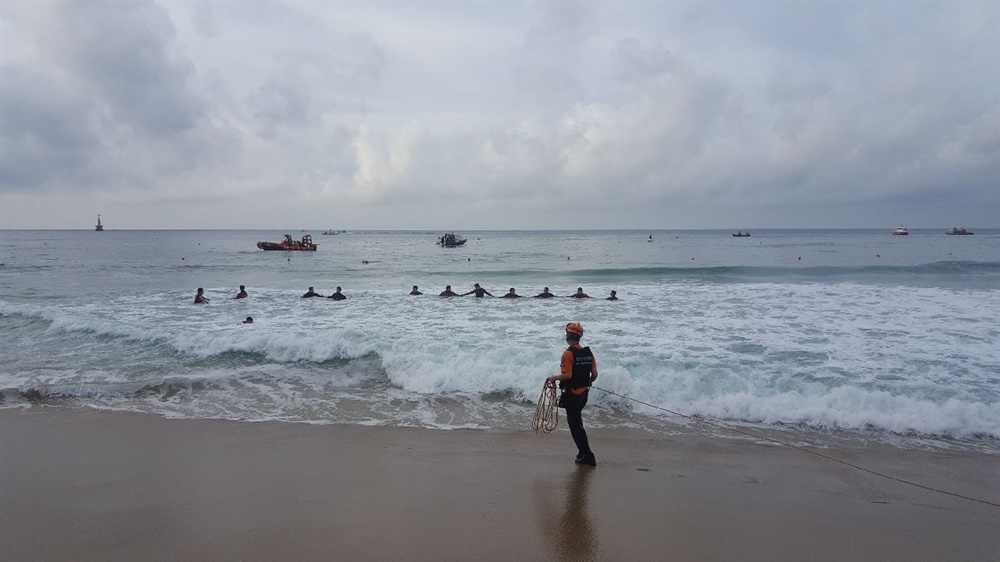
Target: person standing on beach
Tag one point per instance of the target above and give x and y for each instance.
(200, 298)
(577, 371)
(242, 294)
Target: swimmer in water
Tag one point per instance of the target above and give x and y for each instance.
(511, 294)
(479, 291)
(545, 294)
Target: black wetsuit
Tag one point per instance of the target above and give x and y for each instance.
(583, 360)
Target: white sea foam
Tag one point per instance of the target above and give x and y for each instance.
(864, 331)
(901, 359)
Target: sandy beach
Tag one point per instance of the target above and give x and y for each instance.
(89, 485)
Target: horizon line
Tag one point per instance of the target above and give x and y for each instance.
(343, 231)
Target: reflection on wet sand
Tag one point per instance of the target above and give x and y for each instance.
(570, 535)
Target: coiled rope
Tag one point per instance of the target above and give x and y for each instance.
(699, 419)
(546, 413)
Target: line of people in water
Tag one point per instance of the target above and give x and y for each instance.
(477, 290)
(511, 294)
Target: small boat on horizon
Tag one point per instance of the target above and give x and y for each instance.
(330, 231)
(290, 245)
(741, 234)
(900, 231)
(450, 240)
(959, 232)
(99, 227)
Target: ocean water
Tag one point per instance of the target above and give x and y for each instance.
(842, 330)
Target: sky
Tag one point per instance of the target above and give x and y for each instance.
(459, 115)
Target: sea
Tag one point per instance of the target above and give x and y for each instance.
(826, 332)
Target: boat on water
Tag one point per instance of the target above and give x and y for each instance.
(450, 240)
(290, 245)
(330, 232)
(99, 227)
(741, 234)
(900, 231)
(959, 232)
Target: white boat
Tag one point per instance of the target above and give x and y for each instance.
(900, 231)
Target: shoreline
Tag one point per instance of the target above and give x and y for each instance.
(82, 484)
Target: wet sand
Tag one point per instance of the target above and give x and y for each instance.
(87, 485)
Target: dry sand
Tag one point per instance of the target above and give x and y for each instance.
(88, 485)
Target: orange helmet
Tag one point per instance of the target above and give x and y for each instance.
(574, 328)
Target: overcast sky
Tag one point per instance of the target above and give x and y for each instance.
(499, 115)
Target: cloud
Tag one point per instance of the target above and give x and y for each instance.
(45, 136)
(99, 101)
(119, 53)
(304, 85)
(650, 114)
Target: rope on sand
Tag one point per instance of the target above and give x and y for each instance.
(798, 448)
(546, 413)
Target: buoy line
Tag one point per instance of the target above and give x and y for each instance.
(546, 413)
(796, 447)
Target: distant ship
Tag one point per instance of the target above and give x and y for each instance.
(450, 240)
(959, 232)
(99, 227)
(900, 231)
(289, 245)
